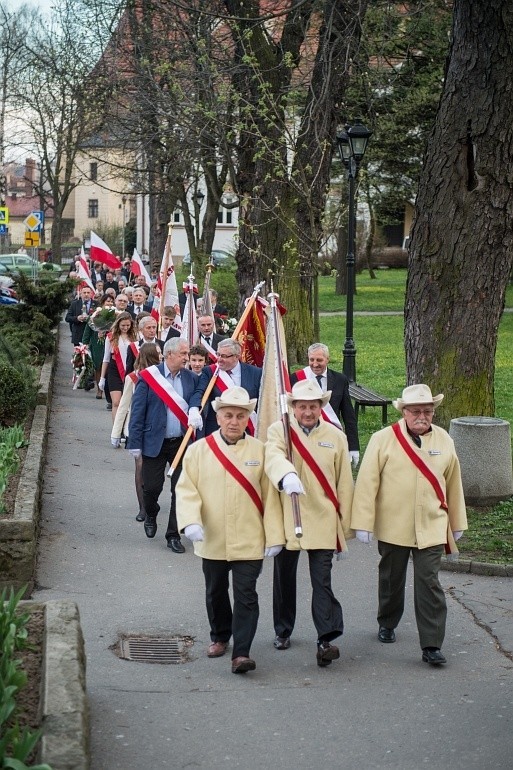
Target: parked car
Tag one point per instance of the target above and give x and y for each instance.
(22, 263)
(6, 297)
(219, 258)
(5, 279)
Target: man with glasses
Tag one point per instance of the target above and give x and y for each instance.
(230, 372)
(409, 493)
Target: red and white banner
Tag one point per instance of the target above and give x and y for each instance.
(189, 330)
(84, 272)
(166, 285)
(137, 267)
(100, 252)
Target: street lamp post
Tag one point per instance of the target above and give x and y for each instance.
(351, 144)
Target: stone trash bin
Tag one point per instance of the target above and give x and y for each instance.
(483, 446)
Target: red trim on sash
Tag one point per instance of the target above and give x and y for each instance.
(318, 473)
(133, 376)
(134, 349)
(118, 358)
(159, 391)
(236, 473)
(423, 468)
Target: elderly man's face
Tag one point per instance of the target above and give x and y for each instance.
(232, 421)
(149, 330)
(318, 361)
(121, 302)
(307, 413)
(418, 417)
(86, 294)
(227, 359)
(176, 359)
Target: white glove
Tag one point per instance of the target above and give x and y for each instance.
(457, 534)
(116, 442)
(135, 453)
(194, 533)
(291, 483)
(273, 550)
(101, 383)
(355, 458)
(195, 419)
(363, 536)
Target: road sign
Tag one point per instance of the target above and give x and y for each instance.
(4, 229)
(34, 221)
(31, 240)
(4, 215)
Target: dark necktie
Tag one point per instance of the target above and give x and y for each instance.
(318, 377)
(207, 340)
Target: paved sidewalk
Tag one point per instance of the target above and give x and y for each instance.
(379, 706)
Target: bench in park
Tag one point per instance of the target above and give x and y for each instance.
(363, 397)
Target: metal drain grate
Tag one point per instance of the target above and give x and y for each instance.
(155, 649)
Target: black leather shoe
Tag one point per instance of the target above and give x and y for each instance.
(326, 652)
(176, 545)
(140, 516)
(433, 656)
(150, 527)
(386, 635)
(282, 642)
(109, 407)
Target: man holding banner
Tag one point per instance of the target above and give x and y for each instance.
(339, 409)
(320, 474)
(158, 421)
(232, 514)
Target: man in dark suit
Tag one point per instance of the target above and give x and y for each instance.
(218, 310)
(243, 375)
(147, 328)
(79, 311)
(168, 317)
(110, 282)
(340, 401)
(156, 431)
(139, 303)
(206, 332)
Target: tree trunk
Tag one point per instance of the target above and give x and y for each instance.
(462, 240)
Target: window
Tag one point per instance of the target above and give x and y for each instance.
(176, 216)
(224, 217)
(93, 208)
(93, 172)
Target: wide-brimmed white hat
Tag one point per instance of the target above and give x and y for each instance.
(417, 394)
(308, 390)
(235, 397)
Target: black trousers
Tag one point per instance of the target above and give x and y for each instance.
(326, 610)
(241, 622)
(428, 594)
(153, 476)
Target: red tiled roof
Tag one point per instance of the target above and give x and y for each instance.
(21, 207)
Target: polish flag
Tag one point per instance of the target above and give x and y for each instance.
(84, 272)
(100, 252)
(137, 267)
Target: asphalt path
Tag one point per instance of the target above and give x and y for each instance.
(378, 706)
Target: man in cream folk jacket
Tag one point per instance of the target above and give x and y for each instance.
(409, 494)
(321, 474)
(231, 513)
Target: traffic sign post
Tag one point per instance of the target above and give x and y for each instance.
(31, 240)
(4, 215)
(34, 222)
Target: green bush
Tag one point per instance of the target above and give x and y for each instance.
(17, 395)
(11, 441)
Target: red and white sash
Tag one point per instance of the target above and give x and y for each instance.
(211, 352)
(328, 413)
(223, 382)
(450, 546)
(236, 473)
(118, 358)
(165, 391)
(319, 474)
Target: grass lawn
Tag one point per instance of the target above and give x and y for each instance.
(380, 364)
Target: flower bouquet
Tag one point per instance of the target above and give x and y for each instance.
(83, 367)
(102, 319)
(225, 325)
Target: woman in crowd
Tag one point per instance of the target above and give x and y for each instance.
(95, 340)
(117, 344)
(149, 354)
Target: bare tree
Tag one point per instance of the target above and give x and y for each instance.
(461, 251)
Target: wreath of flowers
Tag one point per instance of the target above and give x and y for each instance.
(83, 367)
